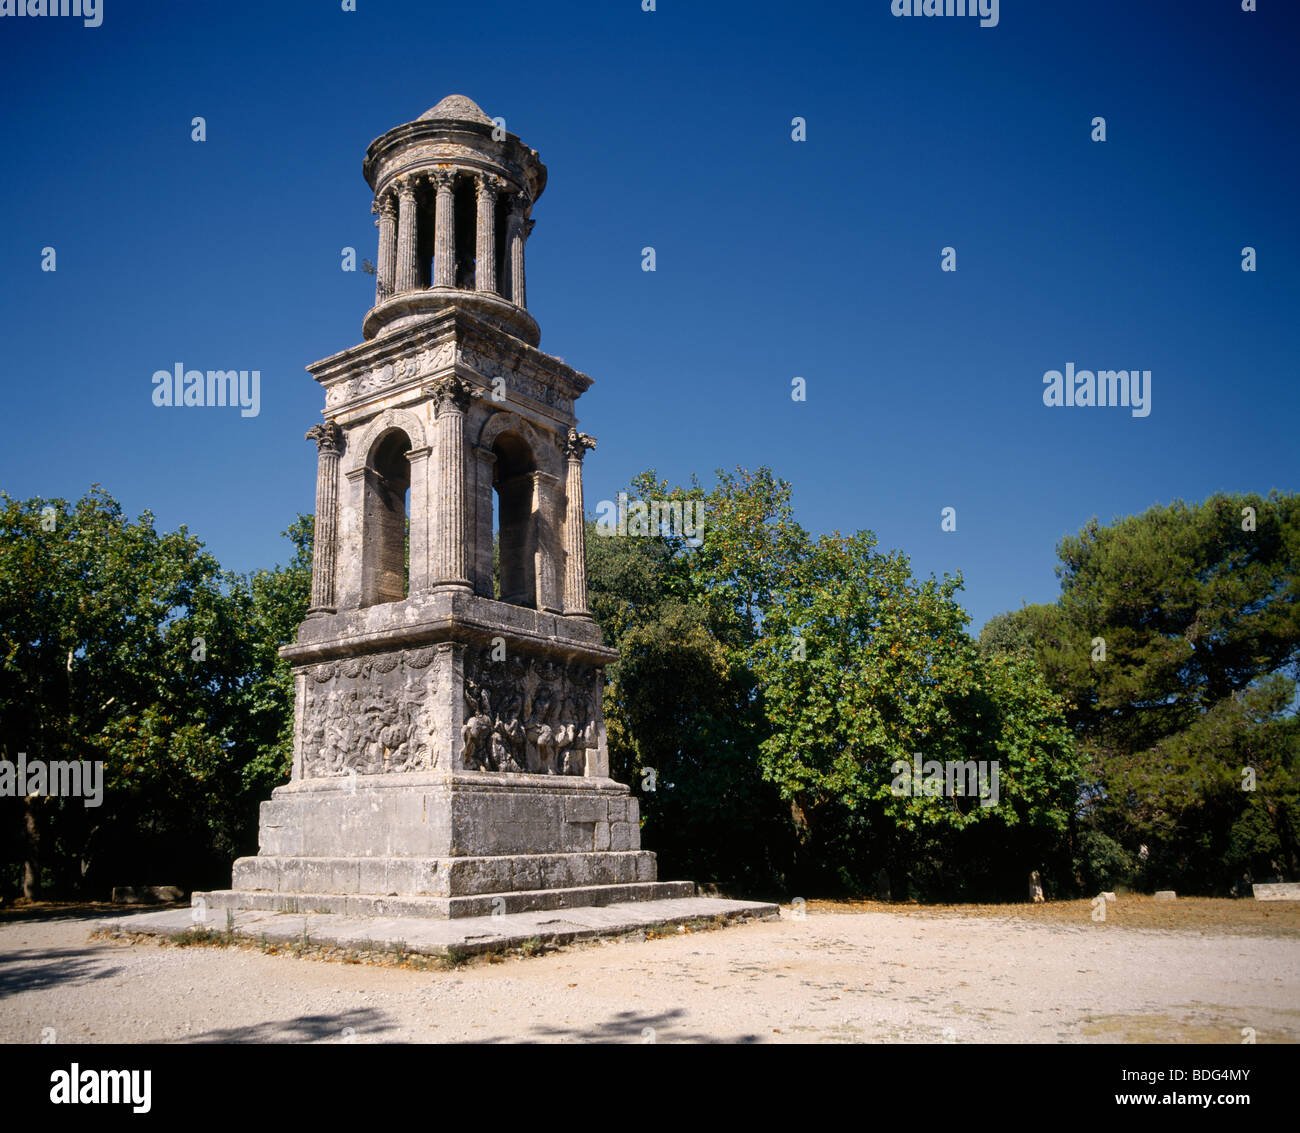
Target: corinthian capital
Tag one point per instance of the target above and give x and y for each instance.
(521, 202)
(443, 178)
(449, 393)
(328, 437)
(576, 444)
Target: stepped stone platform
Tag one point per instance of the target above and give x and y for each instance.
(454, 845)
(436, 936)
(478, 905)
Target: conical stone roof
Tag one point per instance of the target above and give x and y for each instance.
(456, 108)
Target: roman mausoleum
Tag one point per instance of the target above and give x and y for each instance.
(449, 753)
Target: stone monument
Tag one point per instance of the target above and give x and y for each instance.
(449, 754)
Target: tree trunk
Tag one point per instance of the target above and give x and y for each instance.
(31, 848)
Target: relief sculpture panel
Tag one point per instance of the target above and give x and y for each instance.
(529, 714)
(370, 715)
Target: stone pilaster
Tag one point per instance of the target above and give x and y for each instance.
(386, 263)
(329, 444)
(546, 543)
(451, 397)
(407, 276)
(576, 445)
(485, 252)
(481, 568)
(418, 542)
(444, 230)
(517, 233)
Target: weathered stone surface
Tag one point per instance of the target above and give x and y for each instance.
(146, 894)
(1166, 895)
(475, 905)
(461, 936)
(449, 751)
(1281, 891)
(449, 877)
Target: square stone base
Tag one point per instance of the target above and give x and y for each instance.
(445, 845)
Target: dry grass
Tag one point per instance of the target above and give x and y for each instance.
(1205, 915)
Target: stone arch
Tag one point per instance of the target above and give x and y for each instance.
(544, 449)
(386, 457)
(360, 440)
(385, 482)
(524, 466)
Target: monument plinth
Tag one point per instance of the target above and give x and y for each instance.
(449, 744)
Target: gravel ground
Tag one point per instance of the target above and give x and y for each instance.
(873, 976)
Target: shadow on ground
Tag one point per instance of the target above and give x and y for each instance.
(625, 1027)
(32, 969)
(361, 1024)
(84, 911)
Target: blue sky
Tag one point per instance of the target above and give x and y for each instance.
(775, 258)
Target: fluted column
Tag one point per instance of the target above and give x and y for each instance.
(329, 443)
(406, 241)
(444, 230)
(517, 232)
(450, 566)
(575, 532)
(387, 260)
(485, 252)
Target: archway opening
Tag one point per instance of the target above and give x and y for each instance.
(385, 530)
(515, 529)
(466, 235)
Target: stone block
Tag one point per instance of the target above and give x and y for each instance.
(624, 836)
(1166, 895)
(584, 808)
(373, 876)
(1281, 891)
(256, 873)
(146, 894)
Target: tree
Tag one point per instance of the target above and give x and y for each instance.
(865, 671)
(131, 648)
(1176, 640)
(682, 702)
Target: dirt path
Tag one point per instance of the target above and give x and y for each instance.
(858, 976)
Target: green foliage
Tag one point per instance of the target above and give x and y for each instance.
(775, 685)
(129, 646)
(680, 701)
(864, 668)
(1200, 619)
(1102, 863)
(773, 758)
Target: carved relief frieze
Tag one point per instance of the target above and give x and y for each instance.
(381, 376)
(531, 714)
(490, 366)
(370, 715)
